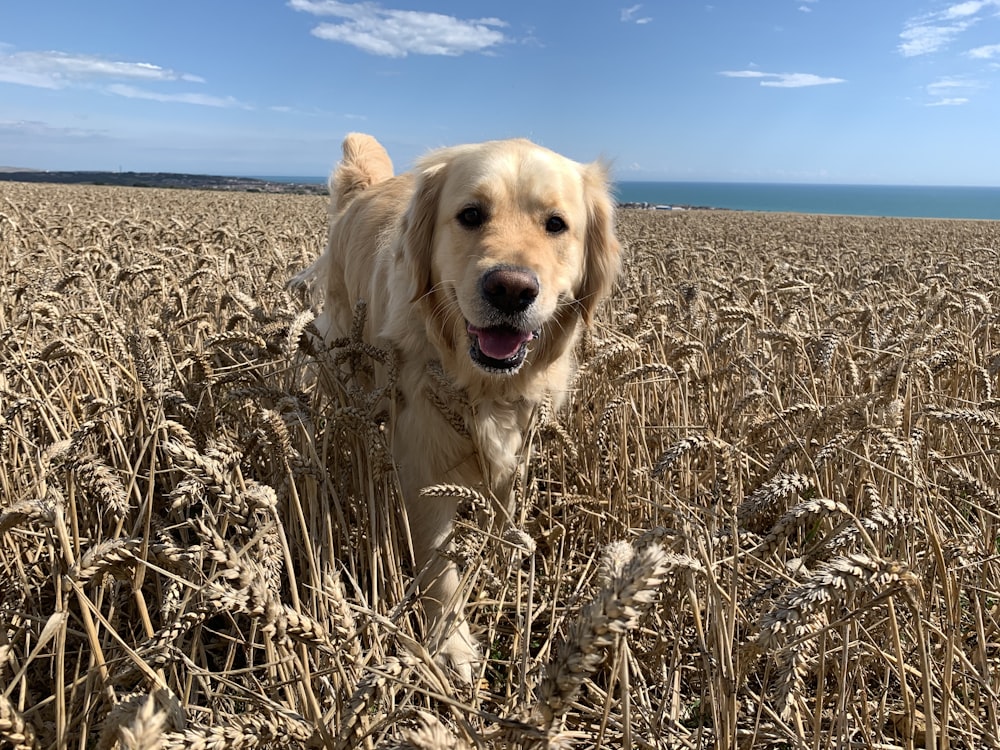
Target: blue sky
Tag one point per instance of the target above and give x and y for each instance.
(843, 91)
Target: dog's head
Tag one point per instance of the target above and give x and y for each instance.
(510, 245)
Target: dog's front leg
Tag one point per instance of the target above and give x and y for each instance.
(430, 522)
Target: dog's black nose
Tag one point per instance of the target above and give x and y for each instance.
(510, 290)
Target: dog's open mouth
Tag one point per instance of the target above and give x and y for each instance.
(499, 349)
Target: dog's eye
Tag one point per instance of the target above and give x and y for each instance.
(471, 217)
(555, 225)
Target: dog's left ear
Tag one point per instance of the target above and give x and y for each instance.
(603, 252)
(419, 222)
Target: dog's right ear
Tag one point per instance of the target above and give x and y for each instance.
(419, 223)
(603, 249)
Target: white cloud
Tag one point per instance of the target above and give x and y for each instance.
(203, 100)
(966, 9)
(924, 39)
(35, 129)
(783, 80)
(952, 91)
(805, 9)
(931, 32)
(59, 70)
(948, 85)
(629, 15)
(398, 33)
(56, 70)
(987, 52)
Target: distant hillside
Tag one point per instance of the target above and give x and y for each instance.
(159, 180)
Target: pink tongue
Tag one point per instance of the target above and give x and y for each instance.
(500, 343)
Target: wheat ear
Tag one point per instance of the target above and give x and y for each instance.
(797, 516)
(802, 613)
(429, 734)
(614, 611)
(13, 728)
(146, 729)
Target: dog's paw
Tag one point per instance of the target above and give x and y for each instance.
(460, 653)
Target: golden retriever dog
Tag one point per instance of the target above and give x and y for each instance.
(483, 263)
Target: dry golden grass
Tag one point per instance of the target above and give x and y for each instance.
(768, 517)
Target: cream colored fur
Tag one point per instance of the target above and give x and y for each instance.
(397, 243)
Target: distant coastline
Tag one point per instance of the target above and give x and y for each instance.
(646, 205)
(177, 180)
(896, 201)
(164, 180)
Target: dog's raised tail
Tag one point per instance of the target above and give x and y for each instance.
(364, 164)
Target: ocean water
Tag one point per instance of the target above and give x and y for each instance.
(906, 201)
(854, 200)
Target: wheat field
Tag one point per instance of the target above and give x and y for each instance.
(768, 517)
